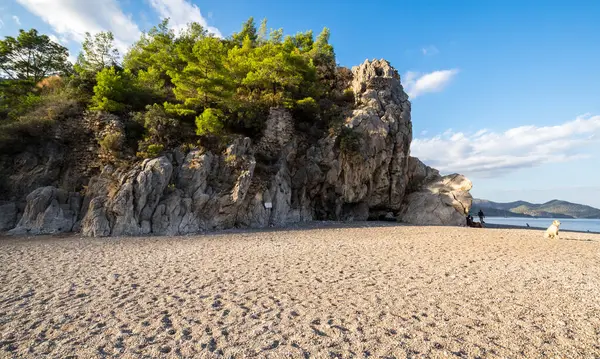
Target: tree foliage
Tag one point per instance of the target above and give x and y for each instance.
(162, 130)
(98, 52)
(25, 60)
(246, 74)
(210, 122)
(178, 81)
(114, 89)
(32, 57)
(203, 82)
(248, 31)
(154, 49)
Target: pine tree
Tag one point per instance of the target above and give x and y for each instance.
(249, 30)
(98, 52)
(154, 49)
(32, 57)
(203, 82)
(262, 33)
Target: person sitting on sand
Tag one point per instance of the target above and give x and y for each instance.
(469, 220)
(471, 223)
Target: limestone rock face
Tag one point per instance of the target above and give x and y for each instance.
(126, 204)
(49, 210)
(65, 158)
(419, 174)
(204, 192)
(435, 200)
(8, 216)
(294, 173)
(278, 133)
(377, 175)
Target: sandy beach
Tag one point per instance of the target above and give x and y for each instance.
(359, 291)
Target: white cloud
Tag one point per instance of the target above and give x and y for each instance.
(429, 50)
(72, 18)
(417, 84)
(181, 13)
(54, 38)
(486, 153)
(1, 23)
(17, 20)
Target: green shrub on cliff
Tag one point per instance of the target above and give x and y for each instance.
(113, 88)
(118, 90)
(209, 122)
(151, 151)
(32, 116)
(350, 141)
(112, 142)
(306, 109)
(161, 130)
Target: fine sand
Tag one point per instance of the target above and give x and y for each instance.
(346, 292)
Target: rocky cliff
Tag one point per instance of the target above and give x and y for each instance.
(364, 171)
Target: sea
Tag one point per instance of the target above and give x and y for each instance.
(582, 225)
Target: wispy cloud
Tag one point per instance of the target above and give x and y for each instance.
(417, 84)
(1, 23)
(486, 153)
(54, 38)
(16, 20)
(181, 13)
(430, 50)
(72, 18)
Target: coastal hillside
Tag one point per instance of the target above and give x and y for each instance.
(554, 208)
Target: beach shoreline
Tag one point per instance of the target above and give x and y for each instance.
(508, 226)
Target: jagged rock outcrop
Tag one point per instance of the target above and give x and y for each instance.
(377, 174)
(362, 171)
(126, 206)
(202, 192)
(435, 200)
(49, 210)
(65, 158)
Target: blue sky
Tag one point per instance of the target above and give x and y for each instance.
(505, 92)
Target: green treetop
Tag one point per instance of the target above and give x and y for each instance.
(98, 52)
(31, 56)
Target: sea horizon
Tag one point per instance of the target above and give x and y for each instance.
(569, 224)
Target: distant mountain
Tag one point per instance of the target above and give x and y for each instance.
(554, 209)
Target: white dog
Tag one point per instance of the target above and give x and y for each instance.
(552, 231)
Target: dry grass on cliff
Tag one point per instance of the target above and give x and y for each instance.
(380, 292)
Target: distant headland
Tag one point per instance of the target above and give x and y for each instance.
(554, 208)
